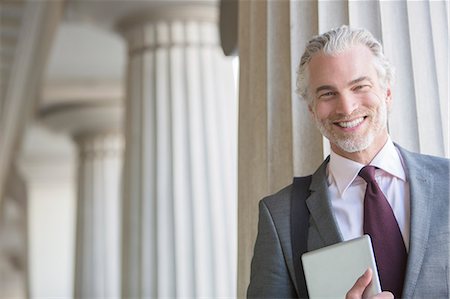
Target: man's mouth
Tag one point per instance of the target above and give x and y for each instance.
(350, 124)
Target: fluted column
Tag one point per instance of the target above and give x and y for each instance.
(96, 129)
(180, 186)
(98, 216)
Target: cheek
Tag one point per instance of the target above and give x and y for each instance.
(323, 110)
(373, 98)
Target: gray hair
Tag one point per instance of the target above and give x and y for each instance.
(336, 41)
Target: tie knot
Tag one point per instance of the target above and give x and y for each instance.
(367, 173)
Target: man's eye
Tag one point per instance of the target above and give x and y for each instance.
(327, 94)
(361, 87)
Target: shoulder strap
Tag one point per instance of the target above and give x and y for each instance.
(299, 229)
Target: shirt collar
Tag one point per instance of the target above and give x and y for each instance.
(344, 171)
(389, 160)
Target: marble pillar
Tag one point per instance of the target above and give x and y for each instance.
(179, 221)
(97, 268)
(96, 129)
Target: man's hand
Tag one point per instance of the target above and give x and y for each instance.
(357, 291)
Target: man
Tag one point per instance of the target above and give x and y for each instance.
(346, 81)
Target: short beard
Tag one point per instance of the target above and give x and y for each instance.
(354, 144)
(349, 145)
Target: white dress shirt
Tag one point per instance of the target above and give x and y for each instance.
(347, 190)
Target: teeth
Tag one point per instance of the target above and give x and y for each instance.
(351, 124)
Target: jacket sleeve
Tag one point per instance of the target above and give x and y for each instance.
(269, 276)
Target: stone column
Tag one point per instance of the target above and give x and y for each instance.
(277, 139)
(14, 266)
(98, 216)
(96, 130)
(179, 204)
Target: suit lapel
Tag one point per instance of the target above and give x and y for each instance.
(319, 207)
(421, 197)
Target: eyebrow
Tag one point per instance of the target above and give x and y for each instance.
(360, 79)
(324, 87)
(330, 87)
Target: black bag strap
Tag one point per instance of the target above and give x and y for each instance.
(299, 228)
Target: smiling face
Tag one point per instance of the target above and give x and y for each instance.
(348, 104)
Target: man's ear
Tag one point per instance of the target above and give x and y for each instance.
(310, 108)
(389, 96)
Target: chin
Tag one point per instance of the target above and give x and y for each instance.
(352, 148)
(352, 144)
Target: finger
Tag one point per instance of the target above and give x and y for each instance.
(360, 285)
(385, 295)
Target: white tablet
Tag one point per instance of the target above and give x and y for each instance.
(331, 271)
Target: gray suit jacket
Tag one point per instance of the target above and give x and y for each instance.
(427, 273)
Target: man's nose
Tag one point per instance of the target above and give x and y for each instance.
(347, 103)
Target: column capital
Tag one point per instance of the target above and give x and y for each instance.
(204, 11)
(164, 26)
(84, 118)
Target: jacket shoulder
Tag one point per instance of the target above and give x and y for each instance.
(280, 197)
(437, 165)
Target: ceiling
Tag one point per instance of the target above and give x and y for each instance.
(88, 57)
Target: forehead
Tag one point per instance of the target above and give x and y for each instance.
(341, 68)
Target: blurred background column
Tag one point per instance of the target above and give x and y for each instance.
(100, 146)
(13, 238)
(179, 177)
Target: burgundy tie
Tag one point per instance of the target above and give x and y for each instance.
(387, 241)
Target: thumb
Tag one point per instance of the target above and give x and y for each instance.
(360, 285)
